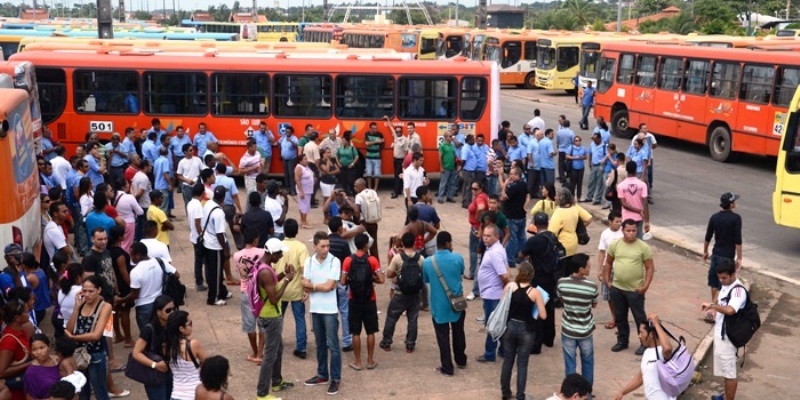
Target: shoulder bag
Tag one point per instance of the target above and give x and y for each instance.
(458, 303)
(498, 319)
(82, 356)
(16, 382)
(144, 373)
(203, 232)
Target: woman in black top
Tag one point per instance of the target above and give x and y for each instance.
(149, 348)
(121, 262)
(519, 335)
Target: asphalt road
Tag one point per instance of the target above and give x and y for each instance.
(687, 185)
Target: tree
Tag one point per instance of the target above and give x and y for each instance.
(715, 16)
(583, 11)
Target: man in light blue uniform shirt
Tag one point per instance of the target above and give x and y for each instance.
(157, 129)
(546, 153)
(96, 169)
(264, 140)
(516, 151)
(118, 158)
(565, 137)
(163, 181)
(202, 137)
(150, 148)
(288, 144)
(602, 129)
(534, 163)
(48, 145)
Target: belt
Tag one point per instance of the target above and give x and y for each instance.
(596, 165)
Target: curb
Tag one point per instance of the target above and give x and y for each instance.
(669, 236)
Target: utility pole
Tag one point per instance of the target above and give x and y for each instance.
(105, 20)
(255, 11)
(619, 15)
(121, 17)
(788, 6)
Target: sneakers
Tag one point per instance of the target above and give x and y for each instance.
(347, 349)
(718, 397)
(333, 388)
(220, 302)
(283, 385)
(268, 397)
(483, 359)
(471, 296)
(201, 287)
(385, 346)
(315, 380)
(300, 354)
(229, 295)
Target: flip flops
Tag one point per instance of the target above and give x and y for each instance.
(354, 367)
(372, 366)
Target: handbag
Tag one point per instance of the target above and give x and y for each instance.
(457, 302)
(611, 192)
(16, 382)
(675, 374)
(203, 232)
(498, 319)
(142, 373)
(583, 235)
(82, 356)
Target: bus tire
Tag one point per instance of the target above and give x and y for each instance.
(530, 80)
(720, 145)
(619, 124)
(571, 92)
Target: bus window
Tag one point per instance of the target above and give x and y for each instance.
(240, 94)
(307, 96)
(670, 76)
(427, 98)
(473, 98)
(546, 57)
(9, 48)
(646, 72)
(175, 93)
(492, 53)
(427, 45)
(696, 77)
(568, 57)
(589, 64)
(530, 51)
(52, 92)
(788, 80)
(791, 144)
(625, 74)
(606, 78)
(114, 92)
(757, 83)
(725, 79)
(513, 53)
(369, 97)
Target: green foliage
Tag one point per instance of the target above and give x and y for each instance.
(680, 24)
(582, 11)
(598, 25)
(717, 16)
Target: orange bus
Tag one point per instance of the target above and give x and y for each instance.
(23, 76)
(515, 54)
(400, 41)
(20, 215)
(232, 95)
(726, 99)
(324, 33)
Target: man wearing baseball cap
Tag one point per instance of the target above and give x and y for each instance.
(11, 278)
(726, 228)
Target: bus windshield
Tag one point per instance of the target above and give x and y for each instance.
(493, 54)
(546, 57)
(589, 64)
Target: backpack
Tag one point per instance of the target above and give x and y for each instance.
(360, 279)
(410, 279)
(171, 286)
(675, 374)
(253, 296)
(372, 206)
(740, 327)
(557, 251)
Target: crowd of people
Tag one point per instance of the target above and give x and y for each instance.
(108, 214)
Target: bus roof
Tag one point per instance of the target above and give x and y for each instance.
(354, 54)
(743, 55)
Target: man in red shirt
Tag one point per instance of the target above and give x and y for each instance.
(363, 305)
(133, 168)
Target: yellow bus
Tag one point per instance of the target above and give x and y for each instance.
(558, 60)
(428, 43)
(786, 197)
(9, 45)
(515, 55)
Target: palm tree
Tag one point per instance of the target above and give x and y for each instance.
(584, 11)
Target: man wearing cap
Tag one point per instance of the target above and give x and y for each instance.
(271, 286)
(11, 277)
(217, 249)
(725, 227)
(118, 158)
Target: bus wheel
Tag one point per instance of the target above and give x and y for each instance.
(530, 80)
(720, 145)
(619, 124)
(571, 92)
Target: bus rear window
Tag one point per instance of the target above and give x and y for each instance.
(427, 98)
(757, 83)
(307, 96)
(725, 80)
(367, 97)
(473, 98)
(240, 94)
(175, 93)
(106, 92)
(788, 80)
(52, 83)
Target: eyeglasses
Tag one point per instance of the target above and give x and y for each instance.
(169, 310)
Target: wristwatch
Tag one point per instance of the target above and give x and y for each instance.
(153, 365)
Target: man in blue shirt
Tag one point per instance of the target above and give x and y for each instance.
(450, 268)
(576, 157)
(602, 129)
(565, 136)
(96, 165)
(546, 154)
(132, 103)
(118, 158)
(468, 164)
(48, 145)
(264, 140)
(534, 162)
(516, 151)
(202, 137)
(157, 129)
(586, 104)
(163, 183)
(598, 152)
(289, 144)
(150, 148)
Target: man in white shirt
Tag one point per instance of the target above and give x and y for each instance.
(573, 387)
(369, 203)
(146, 281)
(194, 215)
(413, 177)
(155, 248)
(187, 172)
(536, 122)
(276, 204)
(54, 239)
(61, 167)
(140, 188)
(216, 247)
(312, 152)
(609, 235)
(250, 165)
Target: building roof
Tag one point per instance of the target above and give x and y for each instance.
(245, 17)
(633, 24)
(504, 8)
(34, 14)
(202, 17)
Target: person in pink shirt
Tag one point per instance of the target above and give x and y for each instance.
(632, 193)
(245, 260)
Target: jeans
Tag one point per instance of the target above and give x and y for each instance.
(81, 238)
(491, 184)
(342, 297)
(474, 241)
(58, 325)
(186, 191)
(569, 347)
(518, 341)
(448, 184)
(288, 174)
(459, 343)
(144, 313)
(164, 203)
(270, 372)
(548, 175)
(96, 377)
(597, 184)
(584, 122)
(138, 234)
(491, 346)
(199, 259)
(533, 182)
(399, 303)
(562, 166)
(640, 229)
(546, 329)
(624, 300)
(161, 391)
(325, 328)
(299, 312)
(517, 241)
(267, 164)
(650, 176)
(397, 163)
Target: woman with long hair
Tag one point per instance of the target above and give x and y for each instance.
(348, 159)
(86, 326)
(328, 171)
(184, 355)
(547, 204)
(85, 195)
(121, 263)
(214, 379)
(149, 351)
(304, 185)
(128, 209)
(69, 287)
(15, 346)
(519, 335)
(565, 218)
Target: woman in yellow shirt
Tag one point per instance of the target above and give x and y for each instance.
(564, 221)
(546, 205)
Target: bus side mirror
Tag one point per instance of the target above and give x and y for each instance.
(788, 140)
(4, 127)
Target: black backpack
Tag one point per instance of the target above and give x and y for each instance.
(360, 278)
(556, 251)
(410, 279)
(739, 328)
(171, 286)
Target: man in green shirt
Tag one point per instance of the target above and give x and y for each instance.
(449, 177)
(374, 141)
(631, 260)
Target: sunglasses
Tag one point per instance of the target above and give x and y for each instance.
(169, 310)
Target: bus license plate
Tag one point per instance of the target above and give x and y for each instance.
(101, 126)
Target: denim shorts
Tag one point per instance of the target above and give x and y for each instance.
(713, 279)
(605, 289)
(248, 319)
(373, 168)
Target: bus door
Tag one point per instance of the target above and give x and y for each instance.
(755, 98)
(786, 82)
(693, 98)
(786, 197)
(510, 61)
(667, 101)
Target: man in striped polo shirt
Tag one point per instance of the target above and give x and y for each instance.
(579, 295)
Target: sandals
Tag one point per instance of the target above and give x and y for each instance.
(611, 325)
(354, 367)
(372, 366)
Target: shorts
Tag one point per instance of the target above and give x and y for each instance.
(373, 168)
(605, 289)
(248, 319)
(724, 358)
(713, 279)
(363, 314)
(326, 189)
